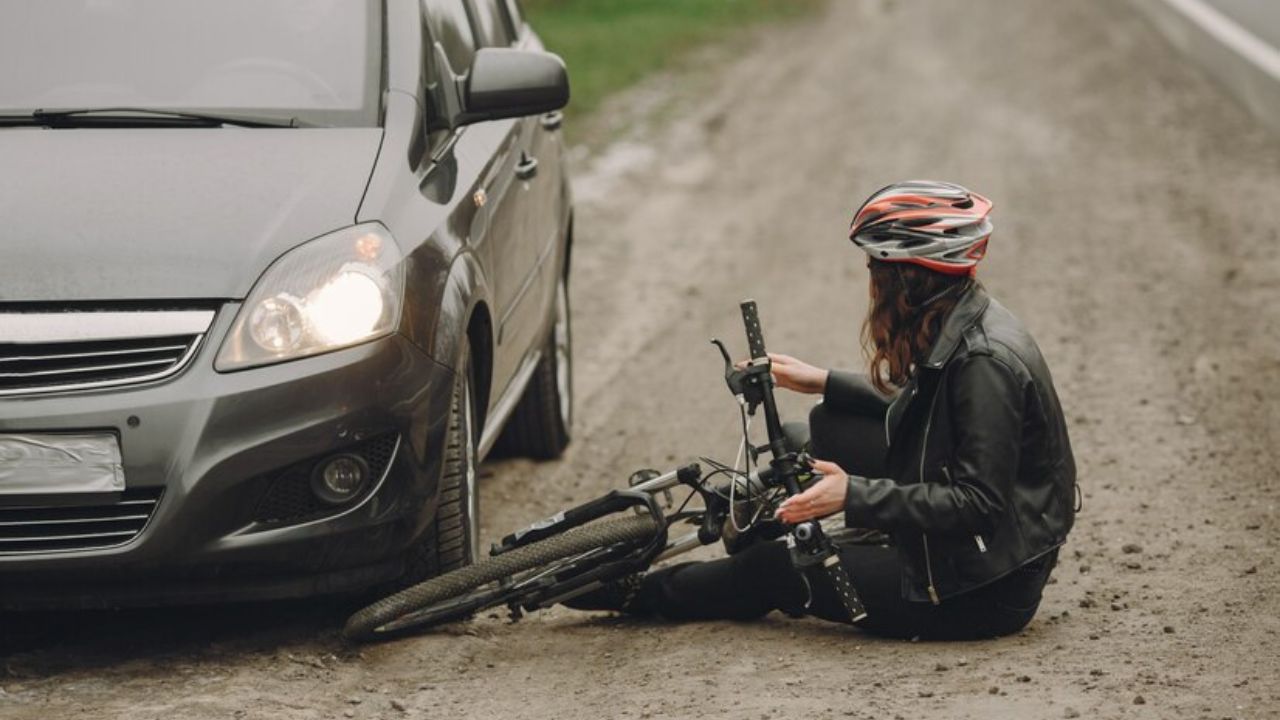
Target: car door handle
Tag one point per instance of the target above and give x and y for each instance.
(553, 120)
(528, 167)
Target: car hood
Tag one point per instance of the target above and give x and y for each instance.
(111, 214)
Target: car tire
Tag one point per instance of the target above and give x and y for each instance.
(454, 538)
(540, 426)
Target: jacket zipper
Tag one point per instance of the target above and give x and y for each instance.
(977, 537)
(924, 450)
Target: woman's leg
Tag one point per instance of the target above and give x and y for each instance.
(854, 442)
(1000, 608)
(876, 574)
(761, 579)
(744, 586)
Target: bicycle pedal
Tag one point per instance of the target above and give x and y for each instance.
(644, 475)
(641, 476)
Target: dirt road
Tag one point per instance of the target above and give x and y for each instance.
(1137, 215)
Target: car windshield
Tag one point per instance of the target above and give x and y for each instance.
(319, 61)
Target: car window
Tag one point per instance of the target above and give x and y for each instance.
(317, 60)
(493, 24)
(451, 27)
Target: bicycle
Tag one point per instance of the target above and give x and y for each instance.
(578, 550)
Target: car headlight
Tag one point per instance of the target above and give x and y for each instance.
(339, 290)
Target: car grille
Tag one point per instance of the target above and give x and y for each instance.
(54, 366)
(288, 497)
(53, 526)
(63, 351)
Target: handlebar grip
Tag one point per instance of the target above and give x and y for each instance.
(844, 588)
(755, 336)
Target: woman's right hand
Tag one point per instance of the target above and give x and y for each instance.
(797, 375)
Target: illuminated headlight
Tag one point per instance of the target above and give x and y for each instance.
(339, 290)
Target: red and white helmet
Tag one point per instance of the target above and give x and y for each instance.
(939, 225)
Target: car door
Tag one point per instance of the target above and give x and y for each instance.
(522, 319)
(545, 221)
(495, 148)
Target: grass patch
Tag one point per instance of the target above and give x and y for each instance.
(610, 44)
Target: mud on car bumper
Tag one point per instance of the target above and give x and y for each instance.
(218, 466)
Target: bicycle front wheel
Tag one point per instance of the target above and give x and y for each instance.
(488, 583)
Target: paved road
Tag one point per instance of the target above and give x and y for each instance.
(1136, 235)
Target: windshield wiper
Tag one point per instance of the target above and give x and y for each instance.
(142, 117)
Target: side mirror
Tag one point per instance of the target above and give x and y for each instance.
(506, 83)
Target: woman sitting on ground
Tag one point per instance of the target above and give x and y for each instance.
(954, 445)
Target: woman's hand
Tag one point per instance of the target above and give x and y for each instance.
(823, 498)
(797, 375)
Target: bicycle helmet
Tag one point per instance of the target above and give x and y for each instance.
(939, 225)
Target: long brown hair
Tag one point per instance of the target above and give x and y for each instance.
(908, 306)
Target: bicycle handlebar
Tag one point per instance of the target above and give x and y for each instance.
(755, 336)
(812, 547)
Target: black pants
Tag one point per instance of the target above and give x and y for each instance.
(761, 578)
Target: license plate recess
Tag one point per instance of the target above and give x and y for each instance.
(60, 464)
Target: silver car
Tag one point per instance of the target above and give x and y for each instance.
(276, 275)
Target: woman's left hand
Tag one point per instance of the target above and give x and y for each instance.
(823, 498)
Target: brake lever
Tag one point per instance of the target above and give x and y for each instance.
(744, 383)
(732, 376)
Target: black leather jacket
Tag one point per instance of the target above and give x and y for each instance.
(981, 476)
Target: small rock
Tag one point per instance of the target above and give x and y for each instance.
(1131, 549)
(1252, 570)
(1024, 678)
(1133, 565)
(1139, 700)
(1168, 629)
(354, 700)
(349, 713)
(1071, 713)
(962, 662)
(993, 690)
(941, 667)
(926, 693)
(399, 705)
(1087, 603)
(1096, 672)
(1116, 606)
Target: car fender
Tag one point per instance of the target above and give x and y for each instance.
(466, 292)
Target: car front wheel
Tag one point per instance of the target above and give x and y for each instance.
(454, 538)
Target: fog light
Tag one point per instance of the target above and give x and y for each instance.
(340, 478)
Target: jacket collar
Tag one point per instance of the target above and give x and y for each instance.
(970, 307)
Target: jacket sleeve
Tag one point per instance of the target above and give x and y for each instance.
(985, 400)
(852, 392)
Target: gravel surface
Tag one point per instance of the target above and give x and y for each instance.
(1137, 222)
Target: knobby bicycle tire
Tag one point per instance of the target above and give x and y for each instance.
(367, 623)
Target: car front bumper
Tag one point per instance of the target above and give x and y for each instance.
(212, 444)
